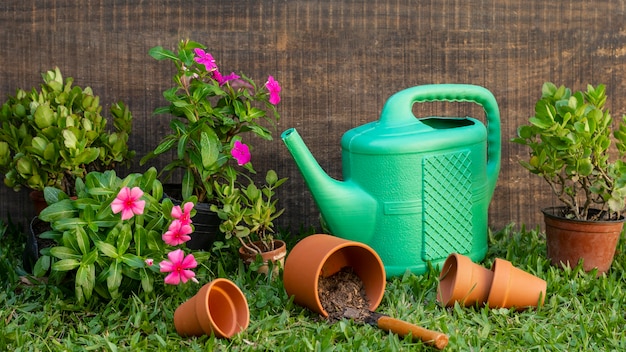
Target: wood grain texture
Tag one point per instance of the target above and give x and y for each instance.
(338, 62)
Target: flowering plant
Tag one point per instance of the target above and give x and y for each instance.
(212, 113)
(114, 236)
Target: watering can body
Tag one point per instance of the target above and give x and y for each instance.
(415, 190)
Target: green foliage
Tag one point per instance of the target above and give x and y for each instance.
(569, 139)
(98, 251)
(582, 312)
(53, 136)
(248, 212)
(209, 116)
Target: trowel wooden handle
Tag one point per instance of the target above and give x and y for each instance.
(402, 328)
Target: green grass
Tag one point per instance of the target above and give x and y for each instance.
(581, 312)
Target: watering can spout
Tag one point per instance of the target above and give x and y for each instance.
(345, 207)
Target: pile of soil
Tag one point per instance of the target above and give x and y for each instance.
(343, 295)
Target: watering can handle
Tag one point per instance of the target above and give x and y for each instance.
(398, 111)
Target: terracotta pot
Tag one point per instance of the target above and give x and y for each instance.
(463, 281)
(219, 308)
(324, 255)
(504, 286)
(513, 287)
(568, 241)
(277, 257)
(39, 202)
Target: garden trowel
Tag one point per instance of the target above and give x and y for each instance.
(397, 326)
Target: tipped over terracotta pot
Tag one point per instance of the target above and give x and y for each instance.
(504, 286)
(219, 308)
(324, 255)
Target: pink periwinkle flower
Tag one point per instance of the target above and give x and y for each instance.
(274, 88)
(127, 201)
(178, 267)
(177, 233)
(241, 153)
(184, 214)
(224, 79)
(204, 58)
(149, 262)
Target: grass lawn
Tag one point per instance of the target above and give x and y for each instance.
(581, 312)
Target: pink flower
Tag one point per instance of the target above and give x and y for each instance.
(178, 267)
(274, 88)
(241, 153)
(150, 262)
(204, 58)
(223, 79)
(177, 233)
(127, 201)
(184, 216)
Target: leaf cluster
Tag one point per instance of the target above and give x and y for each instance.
(569, 138)
(52, 136)
(248, 212)
(98, 251)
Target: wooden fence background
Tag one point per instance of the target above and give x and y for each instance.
(337, 61)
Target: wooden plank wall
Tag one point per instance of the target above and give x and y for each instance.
(337, 60)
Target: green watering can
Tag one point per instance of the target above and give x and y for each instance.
(415, 190)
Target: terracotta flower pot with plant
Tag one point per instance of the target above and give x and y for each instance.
(570, 139)
(248, 215)
(213, 119)
(52, 136)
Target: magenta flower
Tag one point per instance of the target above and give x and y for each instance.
(274, 89)
(183, 215)
(178, 267)
(241, 153)
(223, 79)
(150, 261)
(127, 201)
(204, 58)
(177, 233)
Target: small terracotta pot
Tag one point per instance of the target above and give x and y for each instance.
(513, 287)
(219, 308)
(277, 257)
(463, 281)
(504, 286)
(568, 241)
(324, 255)
(39, 202)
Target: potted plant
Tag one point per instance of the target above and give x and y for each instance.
(211, 114)
(116, 236)
(247, 214)
(52, 136)
(569, 138)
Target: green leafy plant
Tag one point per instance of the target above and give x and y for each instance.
(212, 114)
(248, 212)
(53, 136)
(569, 139)
(103, 252)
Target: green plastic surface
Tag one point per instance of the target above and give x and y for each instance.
(415, 190)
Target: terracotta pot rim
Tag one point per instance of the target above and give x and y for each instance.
(549, 212)
(281, 243)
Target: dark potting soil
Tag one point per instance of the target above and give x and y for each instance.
(343, 295)
(40, 227)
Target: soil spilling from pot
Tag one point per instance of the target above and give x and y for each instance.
(343, 295)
